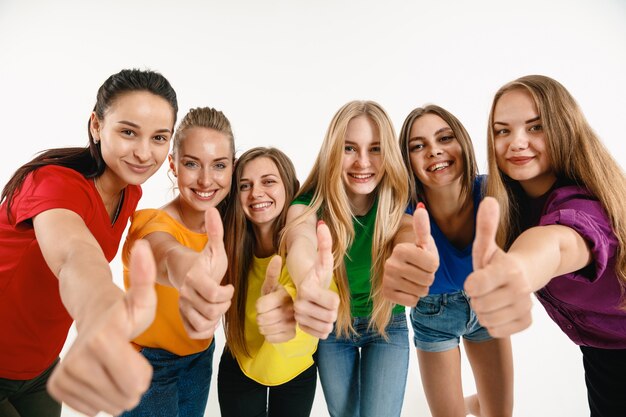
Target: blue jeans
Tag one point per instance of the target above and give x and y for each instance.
(364, 375)
(180, 384)
(440, 320)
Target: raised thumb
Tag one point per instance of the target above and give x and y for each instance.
(271, 275)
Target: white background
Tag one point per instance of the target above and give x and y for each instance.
(280, 69)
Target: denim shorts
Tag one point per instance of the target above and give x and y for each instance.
(439, 321)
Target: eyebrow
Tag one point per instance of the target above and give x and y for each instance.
(349, 142)
(136, 126)
(534, 119)
(223, 158)
(443, 129)
(262, 176)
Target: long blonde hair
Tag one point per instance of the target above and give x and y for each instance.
(330, 201)
(240, 241)
(576, 154)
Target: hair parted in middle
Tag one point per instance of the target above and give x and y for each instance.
(240, 240)
(576, 155)
(331, 202)
(470, 168)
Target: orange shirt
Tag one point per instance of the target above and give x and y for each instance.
(166, 331)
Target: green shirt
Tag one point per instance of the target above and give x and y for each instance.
(358, 261)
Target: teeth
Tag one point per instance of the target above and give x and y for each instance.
(260, 205)
(361, 176)
(205, 195)
(439, 166)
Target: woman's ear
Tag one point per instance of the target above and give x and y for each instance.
(94, 127)
(170, 159)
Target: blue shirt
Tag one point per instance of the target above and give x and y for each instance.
(454, 264)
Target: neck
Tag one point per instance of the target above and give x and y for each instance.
(264, 242)
(444, 201)
(360, 204)
(192, 219)
(110, 193)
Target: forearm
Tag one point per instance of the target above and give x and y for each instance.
(86, 283)
(545, 252)
(301, 255)
(177, 262)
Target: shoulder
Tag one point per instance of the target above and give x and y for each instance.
(573, 197)
(303, 199)
(148, 221)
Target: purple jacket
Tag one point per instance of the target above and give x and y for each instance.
(585, 303)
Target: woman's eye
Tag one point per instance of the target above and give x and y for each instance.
(190, 164)
(128, 132)
(536, 128)
(375, 149)
(161, 138)
(500, 132)
(349, 148)
(244, 187)
(417, 147)
(220, 165)
(446, 138)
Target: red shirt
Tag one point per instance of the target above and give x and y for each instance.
(33, 321)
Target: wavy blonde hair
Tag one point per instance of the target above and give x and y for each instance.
(330, 202)
(576, 154)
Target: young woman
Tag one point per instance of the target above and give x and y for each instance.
(186, 238)
(267, 367)
(61, 221)
(562, 226)
(358, 187)
(439, 152)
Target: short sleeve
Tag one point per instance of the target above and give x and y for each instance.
(586, 216)
(53, 187)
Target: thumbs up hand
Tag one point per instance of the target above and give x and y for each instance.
(316, 306)
(275, 315)
(410, 270)
(499, 289)
(102, 371)
(203, 300)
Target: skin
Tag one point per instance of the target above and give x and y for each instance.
(316, 307)
(437, 162)
(101, 371)
(262, 197)
(502, 282)
(203, 168)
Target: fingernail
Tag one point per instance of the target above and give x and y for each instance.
(320, 222)
(421, 205)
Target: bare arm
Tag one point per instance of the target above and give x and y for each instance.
(101, 371)
(502, 282)
(173, 259)
(410, 270)
(301, 242)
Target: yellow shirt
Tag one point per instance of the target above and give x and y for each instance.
(166, 331)
(272, 364)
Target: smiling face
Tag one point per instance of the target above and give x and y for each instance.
(362, 161)
(204, 166)
(520, 142)
(261, 191)
(134, 137)
(435, 153)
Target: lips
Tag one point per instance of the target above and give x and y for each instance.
(261, 206)
(360, 177)
(438, 166)
(139, 169)
(520, 160)
(205, 194)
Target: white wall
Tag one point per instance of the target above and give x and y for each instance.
(280, 69)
